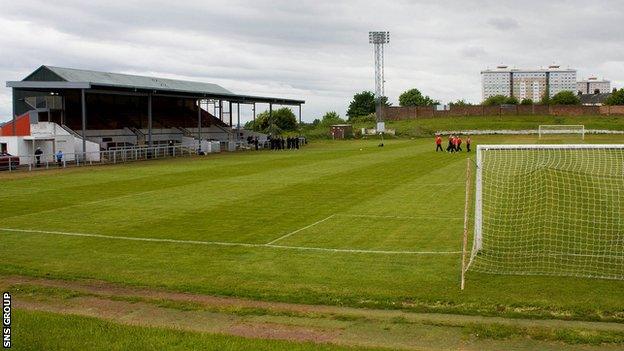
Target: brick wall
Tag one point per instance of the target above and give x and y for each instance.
(394, 113)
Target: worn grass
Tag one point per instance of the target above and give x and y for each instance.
(49, 331)
(409, 199)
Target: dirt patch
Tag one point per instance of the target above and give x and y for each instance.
(102, 288)
(277, 331)
(275, 320)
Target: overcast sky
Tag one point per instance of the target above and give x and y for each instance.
(315, 50)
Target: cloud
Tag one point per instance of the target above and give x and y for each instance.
(314, 50)
(503, 23)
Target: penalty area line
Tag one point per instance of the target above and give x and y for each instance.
(299, 230)
(221, 243)
(398, 217)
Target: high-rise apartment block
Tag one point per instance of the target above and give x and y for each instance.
(527, 83)
(593, 86)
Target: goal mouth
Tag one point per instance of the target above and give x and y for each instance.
(552, 210)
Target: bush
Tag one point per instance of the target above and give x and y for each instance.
(370, 118)
(526, 101)
(565, 97)
(500, 100)
(616, 98)
(461, 102)
(330, 118)
(282, 119)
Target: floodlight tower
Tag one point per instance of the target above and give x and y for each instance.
(378, 39)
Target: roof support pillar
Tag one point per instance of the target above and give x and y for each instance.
(149, 119)
(63, 110)
(270, 113)
(221, 110)
(14, 127)
(254, 112)
(299, 113)
(237, 120)
(230, 109)
(199, 125)
(83, 101)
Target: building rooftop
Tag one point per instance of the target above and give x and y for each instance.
(51, 77)
(593, 99)
(506, 69)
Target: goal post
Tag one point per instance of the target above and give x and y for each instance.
(550, 129)
(549, 210)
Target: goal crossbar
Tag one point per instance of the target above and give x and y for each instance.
(563, 189)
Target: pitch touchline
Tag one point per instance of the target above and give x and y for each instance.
(220, 243)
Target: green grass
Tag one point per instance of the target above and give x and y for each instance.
(258, 197)
(48, 331)
(426, 127)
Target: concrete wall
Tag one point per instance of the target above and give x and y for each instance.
(117, 135)
(56, 138)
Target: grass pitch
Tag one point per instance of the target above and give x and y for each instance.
(343, 223)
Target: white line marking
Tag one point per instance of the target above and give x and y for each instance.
(365, 251)
(300, 229)
(130, 237)
(396, 217)
(220, 243)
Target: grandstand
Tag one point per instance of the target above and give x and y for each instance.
(103, 110)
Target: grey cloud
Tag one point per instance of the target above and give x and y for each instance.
(316, 50)
(503, 23)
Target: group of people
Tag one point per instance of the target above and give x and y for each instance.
(279, 143)
(454, 143)
(253, 141)
(58, 157)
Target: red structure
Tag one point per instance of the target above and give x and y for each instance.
(22, 126)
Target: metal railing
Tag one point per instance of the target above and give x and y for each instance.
(112, 156)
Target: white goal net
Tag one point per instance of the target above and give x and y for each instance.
(549, 210)
(571, 129)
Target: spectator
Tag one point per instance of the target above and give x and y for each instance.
(59, 158)
(38, 153)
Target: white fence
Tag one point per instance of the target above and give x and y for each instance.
(113, 156)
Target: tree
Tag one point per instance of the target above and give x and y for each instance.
(282, 119)
(565, 97)
(616, 98)
(500, 100)
(364, 104)
(330, 118)
(461, 102)
(512, 100)
(414, 97)
(545, 100)
(526, 101)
